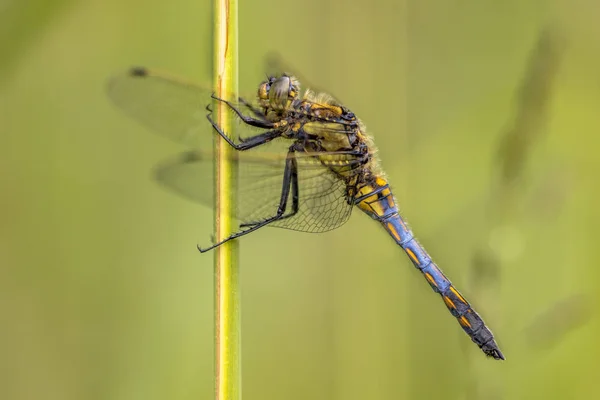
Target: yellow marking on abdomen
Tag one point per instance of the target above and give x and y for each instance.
(449, 302)
(377, 209)
(392, 230)
(403, 225)
(457, 294)
(463, 321)
(430, 279)
(390, 200)
(412, 256)
(368, 190)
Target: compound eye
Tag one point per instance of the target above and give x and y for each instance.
(263, 91)
(280, 91)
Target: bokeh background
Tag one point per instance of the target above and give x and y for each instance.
(485, 115)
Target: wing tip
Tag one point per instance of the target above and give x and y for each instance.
(161, 170)
(115, 82)
(138, 71)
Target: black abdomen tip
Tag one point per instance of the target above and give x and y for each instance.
(498, 355)
(495, 353)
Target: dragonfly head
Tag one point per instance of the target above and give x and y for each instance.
(278, 93)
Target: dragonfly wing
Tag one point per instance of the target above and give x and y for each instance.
(276, 64)
(322, 202)
(168, 105)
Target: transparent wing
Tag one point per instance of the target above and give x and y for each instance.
(275, 64)
(322, 194)
(168, 105)
(177, 109)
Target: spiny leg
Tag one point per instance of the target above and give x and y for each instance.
(259, 123)
(295, 187)
(288, 173)
(295, 196)
(248, 143)
(256, 111)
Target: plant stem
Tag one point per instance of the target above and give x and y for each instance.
(227, 294)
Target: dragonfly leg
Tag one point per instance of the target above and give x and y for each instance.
(259, 123)
(248, 143)
(256, 111)
(295, 198)
(290, 178)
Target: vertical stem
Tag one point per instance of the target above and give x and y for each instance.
(227, 293)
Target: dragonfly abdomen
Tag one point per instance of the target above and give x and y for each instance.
(377, 200)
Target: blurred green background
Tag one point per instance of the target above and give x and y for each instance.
(485, 114)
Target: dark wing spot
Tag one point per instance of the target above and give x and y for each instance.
(138, 71)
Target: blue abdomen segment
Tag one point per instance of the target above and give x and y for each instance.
(378, 201)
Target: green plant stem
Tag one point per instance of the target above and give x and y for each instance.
(227, 294)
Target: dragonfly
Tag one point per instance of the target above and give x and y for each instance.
(305, 162)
